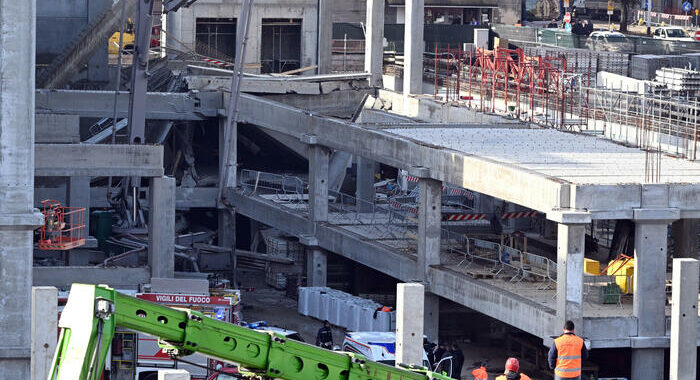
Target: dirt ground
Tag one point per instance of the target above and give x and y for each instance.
(267, 304)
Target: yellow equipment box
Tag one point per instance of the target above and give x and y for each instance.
(591, 266)
(624, 274)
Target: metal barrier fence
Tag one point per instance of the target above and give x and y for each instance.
(656, 18)
(666, 122)
(395, 224)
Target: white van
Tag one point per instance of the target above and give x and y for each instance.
(381, 347)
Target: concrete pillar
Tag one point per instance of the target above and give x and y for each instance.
(316, 266)
(570, 253)
(409, 323)
(325, 36)
(365, 184)
(173, 374)
(431, 317)
(231, 180)
(44, 328)
(374, 41)
(684, 319)
(429, 219)
(685, 238)
(318, 182)
(650, 255)
(413, 48)
(227, 237)
(78, 190)
(226, 228)
(161, 227)
(17, 216)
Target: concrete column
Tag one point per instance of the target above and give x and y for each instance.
(44, 328)
(650, 252)
(17, 216)
(316, 266)
(226, 228)
(231, 180)
(431, 317)
(173, 374)
(409, 323)
(684, 319)
(685, 238)
(413, 48)
(365, 184)
(325, 36)
(429, 218)
(318, 182)
(78, 190)
(227, 237)
(374, 41)
(570, 251)
(161, 227)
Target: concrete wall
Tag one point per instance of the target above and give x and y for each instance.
(59, 22)
(182, 24)
(63, 277)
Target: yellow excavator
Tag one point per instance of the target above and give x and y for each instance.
(129, 37)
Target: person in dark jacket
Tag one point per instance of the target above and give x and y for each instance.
(324, 337)
(429, 348)
(457, 360)
(440, 352)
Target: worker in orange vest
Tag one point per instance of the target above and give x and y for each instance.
(480, 373)
(567, 353)
(511, 372)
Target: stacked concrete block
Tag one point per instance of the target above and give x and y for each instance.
(276, 275)
(679, 79)
(344, 310)
(645, 66)
(585, 61)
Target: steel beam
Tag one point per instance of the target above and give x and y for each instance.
(159, 105)
(64, 160)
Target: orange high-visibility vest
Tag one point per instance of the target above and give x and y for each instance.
(480, 374)
(569, 348)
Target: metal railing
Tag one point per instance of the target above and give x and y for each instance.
(396, 225)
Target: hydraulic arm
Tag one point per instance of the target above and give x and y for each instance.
(88, 321)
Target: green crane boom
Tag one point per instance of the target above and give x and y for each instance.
(92, 313)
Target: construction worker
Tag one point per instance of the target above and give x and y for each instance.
(457, 360)
(480, 373)
(324, 338)
(511, 372)
(567, 353)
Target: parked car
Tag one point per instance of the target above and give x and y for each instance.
(263, 326)
(672, 33)
(381, 347)
(609, 41)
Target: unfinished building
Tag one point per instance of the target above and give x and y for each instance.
(487, 177)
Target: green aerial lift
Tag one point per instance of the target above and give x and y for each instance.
(92, 313)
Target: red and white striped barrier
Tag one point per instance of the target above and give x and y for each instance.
(507, 215)
(217, 62)
(460, 217)
(449, 189)
(400, 206)
(519, 214)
